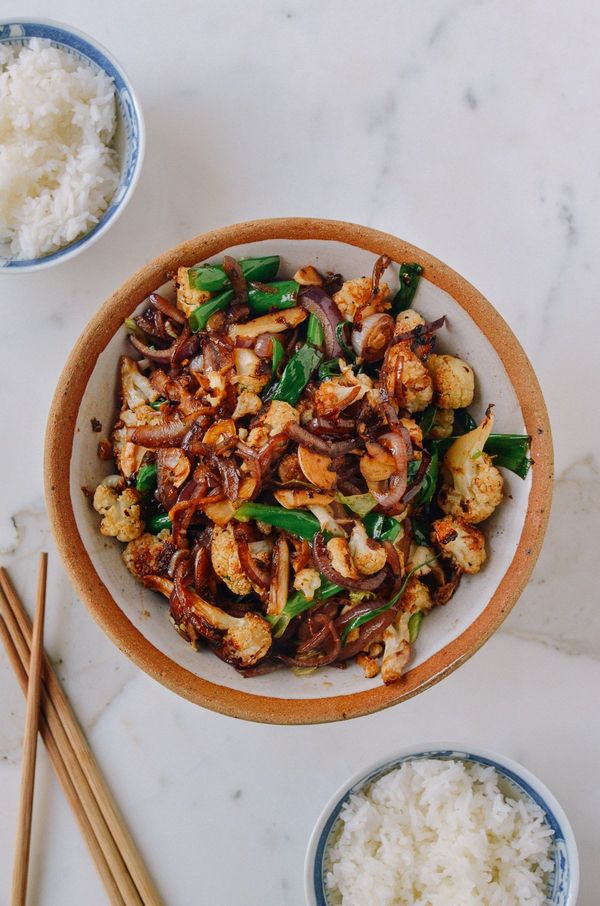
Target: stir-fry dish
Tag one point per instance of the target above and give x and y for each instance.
(297, 471)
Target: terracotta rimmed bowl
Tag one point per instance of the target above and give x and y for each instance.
(135, 618)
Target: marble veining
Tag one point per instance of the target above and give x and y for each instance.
(469, 128)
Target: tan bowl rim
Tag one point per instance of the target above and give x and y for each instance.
(95, 595)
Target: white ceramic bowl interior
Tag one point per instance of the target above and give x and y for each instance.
(129, 140)
(516, 783)
(148, 611)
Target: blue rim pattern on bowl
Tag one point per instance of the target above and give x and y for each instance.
(560, 881)
(81, 46)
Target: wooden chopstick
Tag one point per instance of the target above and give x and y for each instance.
(117, 844)
(23, 842)
(11, 608)
(62, 773)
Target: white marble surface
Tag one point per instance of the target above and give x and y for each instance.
(466, 126)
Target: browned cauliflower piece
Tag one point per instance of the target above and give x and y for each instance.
(355, 294)
(396, 654)
(408, 320)
(149, 554)
(121, 517)
(188, 298)
(453, 381)
(248, 403)
(272, 421)
(367, 555)
(307, 581)
(226, 561)
(472, 485)
(407, 379)
(416, 597)
(460, 542)
(443, 424)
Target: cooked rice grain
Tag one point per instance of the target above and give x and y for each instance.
(437, 832)
(58, 172)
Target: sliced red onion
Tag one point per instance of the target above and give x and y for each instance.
(372, 337)
(306, 439)
(154, 355)
(236, 277)
(264, 346)
(395, 443)
(256, 571)
(316, 300)
(167, 308)
(419, 331)
(170, 434)
(324, 565)
(369, 632)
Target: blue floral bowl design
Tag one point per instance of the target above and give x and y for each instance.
(129, 139)
(517, 781)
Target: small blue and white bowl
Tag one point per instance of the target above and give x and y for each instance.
(517, 782)
(129, 140)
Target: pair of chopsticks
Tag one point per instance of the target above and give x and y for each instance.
(119, 864)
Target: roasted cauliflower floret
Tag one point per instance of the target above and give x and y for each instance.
(460, 542)
(472, 485)
(188, 298)
(120, 511)
(416, 597)
(453, 381)
(369, 665)
(443, 424)
(407, 379)
(136, 389)
(419, 559)
(307, 581)
(226, 561)
(335, 394)
(272, 422)
(129, 456)
(341, 558)
(149, 555)
(242, 641)
(367, 555)
(355, 294)
(396, 654)
(407, 320)
(248, 403)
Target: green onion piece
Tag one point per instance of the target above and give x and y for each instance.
(212, 278)
(158, 522)
(463, 422)
(296, 375)
(298, 603)
(414, 626)
(134, 328)
(339, 332)
(277, 355)
(371, 614)
(361, 504)
(158, 403)
(510, 451)
(420, 531)
(427, 419)
(298, 522)
(199, 317)
(409, 276)
(263, 297)
(145, 480)
(430, 481)
(382, 528)
(329, 369)
(314, 331)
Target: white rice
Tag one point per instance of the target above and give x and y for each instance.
(58, 172)
(439, 832)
